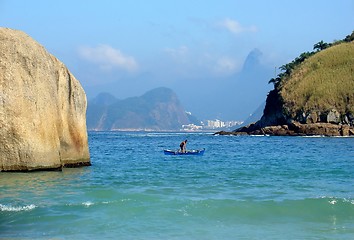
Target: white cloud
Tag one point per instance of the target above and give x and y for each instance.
(226, 65)
(178, 53)
(235, 27)
(108, 58)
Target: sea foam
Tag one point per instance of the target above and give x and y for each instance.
(87, 204)
(10, 208)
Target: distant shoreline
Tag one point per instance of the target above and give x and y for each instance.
(151, 130)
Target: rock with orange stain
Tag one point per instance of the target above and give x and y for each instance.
(42, 108)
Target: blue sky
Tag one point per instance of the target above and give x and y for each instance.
(129, 47)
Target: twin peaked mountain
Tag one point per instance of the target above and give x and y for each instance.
(158, 109)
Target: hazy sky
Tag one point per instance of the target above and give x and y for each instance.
(194, 47)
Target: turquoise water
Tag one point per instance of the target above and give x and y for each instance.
(242, 188)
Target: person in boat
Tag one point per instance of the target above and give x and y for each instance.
(183, 146)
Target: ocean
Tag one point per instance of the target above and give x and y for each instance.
(243, 187)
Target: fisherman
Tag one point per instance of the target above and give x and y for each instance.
(183, 146)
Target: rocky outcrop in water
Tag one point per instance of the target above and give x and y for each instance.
(42, 108)
(276, 122)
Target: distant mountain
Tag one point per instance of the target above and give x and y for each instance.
(104, 99)
(234, 97)
(255, 116)
(252, 62)
(158, 109)
(252, 86)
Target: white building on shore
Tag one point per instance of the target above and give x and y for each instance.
(214, 124)
(211, 125)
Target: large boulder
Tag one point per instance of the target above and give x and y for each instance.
(42, 108)
(333, 116)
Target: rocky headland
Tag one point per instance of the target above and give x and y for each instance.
(42, 108)
(313, 95)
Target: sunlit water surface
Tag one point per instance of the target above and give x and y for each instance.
(242, 188)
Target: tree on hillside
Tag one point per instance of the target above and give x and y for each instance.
(349, 38)
(289, 67)
(302, 57)
(275, 81)
(320, 46)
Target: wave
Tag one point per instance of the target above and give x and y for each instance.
(87, 204)
(321, 206)
(10, 208)
(324, 136)
(294, 207)
(312, 209)
(334, 200)
(260, 135)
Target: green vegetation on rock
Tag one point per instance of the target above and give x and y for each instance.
(322, 82)
(317, 83)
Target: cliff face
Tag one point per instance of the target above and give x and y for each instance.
(42, 108)
(314, 98)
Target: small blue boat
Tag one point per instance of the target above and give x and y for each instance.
(188, 152)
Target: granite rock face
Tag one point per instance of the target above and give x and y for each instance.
(42, 108)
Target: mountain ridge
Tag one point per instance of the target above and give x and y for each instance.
(157, 110)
